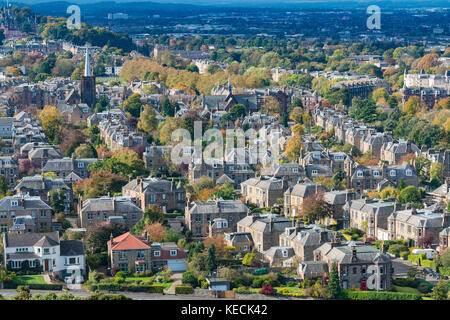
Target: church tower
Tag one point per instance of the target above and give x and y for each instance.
(87, 83)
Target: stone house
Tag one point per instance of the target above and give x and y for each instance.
(65, 166)
(359, 266)
(15, 206)
(242, 241)
(265, 229)
(263, 192)
(152, 191)
(92, 212)
(279, 256)
(295, 195)
(198, 215)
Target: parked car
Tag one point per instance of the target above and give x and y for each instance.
(428, 270)
(429, 253)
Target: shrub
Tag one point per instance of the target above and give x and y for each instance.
(379, 295)
(268, 290)
(244, 290)
(189, 278)
(258, 282)
(404, 255)
(113, 287)
(184, 290)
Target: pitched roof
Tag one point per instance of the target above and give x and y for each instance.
(127, 241)
(71, 248)
(48, 239)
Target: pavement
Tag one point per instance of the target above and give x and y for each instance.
(401, 268)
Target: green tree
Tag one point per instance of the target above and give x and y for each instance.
(57, 200)
(334, 284)
(440, 291)
(189, 278)
(225, 191)
(210, 262)
(133, 105)
(437, 171)
(85, 151)
(3, 186)
(410, 194)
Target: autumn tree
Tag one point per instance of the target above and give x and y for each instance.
(156, 232)
(412, 105)
(51, 121)
(296, 115)
(315, 207)
(148, 122)
(428, 61)
(85, 151)
(271, 107)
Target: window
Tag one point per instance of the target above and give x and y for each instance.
(14, 203)
(89, 216)
(105, 216)
(163, 196)
(173, 252)
(376, 173)
(355, 270)
(408, 172)
(3, 215)
(381, 269)
(140, 254)
(152, 198)
(392, 173)
(314, 172)
(72, 261)
(32, 263)
(46, 251)
(122, 255)
(123, 267)
(245, 248)
(295, 170)
(359, 174)
(285, 253)
(157, 253)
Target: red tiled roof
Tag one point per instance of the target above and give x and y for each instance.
(127, 241)
(165, 255)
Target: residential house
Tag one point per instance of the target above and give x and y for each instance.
(264, 229)
(417, 226)
(92, 212)
(64, 167)
(41, 187)
(279, 256)
(45, 252)
(198, 215)
(394, 151)
(15, 206)
(290, 172)
(242, 241)
(170, 255)
(9, 168)
(359, 266)
(263, 192)
(152, 191)
(295, 195)
(371, 216)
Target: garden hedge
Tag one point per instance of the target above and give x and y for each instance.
(379, 295)
(126, 287)
(33, 286)
(184, 290)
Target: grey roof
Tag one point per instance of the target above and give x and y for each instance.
(277, 252)
(419, 218)
(121, 205)
(321, 170)
(265, 184)
(311, 268)
(71, 248)
(263, 223)
(336, 197)
(445, 232)
(32, 239)
(218, 206)
(364, 253)
(27, 203)
(38, 182)
(236, 237)
(150, 185)
(304, 190)
(371, 206)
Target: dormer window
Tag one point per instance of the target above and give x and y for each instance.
(392, 173)
(285, 253)
(409, 172)
(314, 172)
(80, 165)
(376, 173)
(173, 253)
(157, 253)
(14, 203)
(359, 174)
(295, 170)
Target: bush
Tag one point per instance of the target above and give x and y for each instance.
(258, 282)
(244, 290)
(34, 286)
(404, 255)
(379, 295)
(395, 249)
(268, 290)
(184, 290)
(113, 287)
(189, 278)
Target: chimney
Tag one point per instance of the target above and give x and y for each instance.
(395, 206)
(141, 185)
(111, 239)
(270, 223)
(354, 257)
(113, 203)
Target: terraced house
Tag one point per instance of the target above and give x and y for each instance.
(64, 167)
(9, 168)
(263, 192)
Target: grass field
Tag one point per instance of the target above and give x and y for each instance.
(407, 290)
(36, 279)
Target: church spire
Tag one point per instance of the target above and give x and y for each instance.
(87, 65)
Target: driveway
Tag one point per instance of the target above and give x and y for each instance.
(176, 277)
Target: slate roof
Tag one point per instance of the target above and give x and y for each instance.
(364, 253)
(151, 185)
(445, 232)
(303, 190)
(371, 206)
(261, 223)
(71, 248)
(313, 268)
(277, 252)
(121, 205)
(423, 218)
(28, 203)
(218, 206)
(265, 184)
(236, 237)
(32, 239)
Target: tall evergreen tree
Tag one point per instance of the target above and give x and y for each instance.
(211, 262)
(334, 285)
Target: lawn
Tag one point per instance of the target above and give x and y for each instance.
(407, 290)
(36, 279)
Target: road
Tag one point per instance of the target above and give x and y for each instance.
(401, 269)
